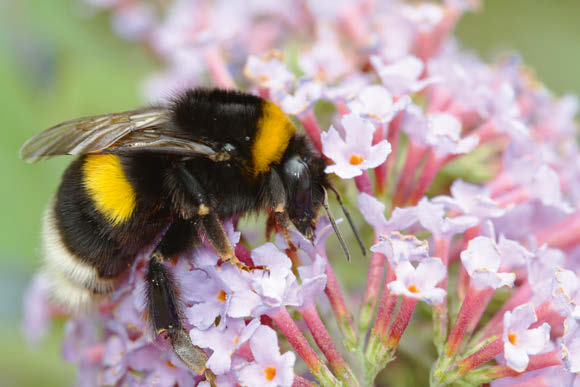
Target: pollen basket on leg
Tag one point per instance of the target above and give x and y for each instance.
(107, 185)
(272, 136)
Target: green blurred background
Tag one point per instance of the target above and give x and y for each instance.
(57, 63)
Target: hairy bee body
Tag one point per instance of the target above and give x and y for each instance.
(111, 206)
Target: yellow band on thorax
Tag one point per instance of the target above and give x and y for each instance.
(106, 183)
(272, 136)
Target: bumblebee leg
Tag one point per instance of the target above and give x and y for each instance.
(209, 220)
(165, 315)
(278, 219)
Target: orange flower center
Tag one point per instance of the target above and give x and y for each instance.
(513, 338)
(270, 373)
(221, 296)
(355, 160)
(171, 365)
(413, 288)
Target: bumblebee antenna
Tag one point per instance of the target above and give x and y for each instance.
(334, 226)
(347, 214)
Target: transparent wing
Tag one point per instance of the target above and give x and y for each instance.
(144, 129)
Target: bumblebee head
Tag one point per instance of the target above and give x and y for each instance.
(306, 186)
(305, 182)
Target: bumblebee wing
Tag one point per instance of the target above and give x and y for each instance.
(144, 129)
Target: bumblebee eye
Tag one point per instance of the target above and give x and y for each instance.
(297, 180)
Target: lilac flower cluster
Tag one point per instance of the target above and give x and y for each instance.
(407, 103)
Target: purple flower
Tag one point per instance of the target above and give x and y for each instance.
(432, 217)
(279, 286)
(223, 342)
(482, 260)
(565, 285)
(402, 76)
(441, 131)
(373, 212)
(571, 344)
(401, 248)
(470, 199)
(425, 15)
(305, 95)
(506, 113)
(420, 282)
(269, 72)
(37, 317)
(376, 102)
(269, 368)
(325, 60)
(356, 153)
(313, 279)
(519, 341)
(210, 294)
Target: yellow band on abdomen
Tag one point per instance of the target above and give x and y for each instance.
(106, 183)
(272, 136)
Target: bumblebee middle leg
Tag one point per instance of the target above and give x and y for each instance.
(165, 315)
(208, 219)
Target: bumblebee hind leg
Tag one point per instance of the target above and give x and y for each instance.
(165, 316)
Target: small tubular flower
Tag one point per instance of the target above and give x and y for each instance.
(420, 282)
(519, 341)
(269, 368)
(356, 152)
(482, 260)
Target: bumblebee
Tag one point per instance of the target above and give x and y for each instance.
(170, 173)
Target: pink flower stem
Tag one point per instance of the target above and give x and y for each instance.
(342, 314)
(483, 355)
(290, 330)
(217, 67)
(312, 129)
(543, 360)
(387, 305)
(355, 24)
(364, 183)
(393, 136)
(486, 131)
(537, 381)
(381, 170)
(432, 166)
(415, 155)
(547, 313)
(401, 321)
(513, 197)
(94, 354)
(470, 310)
(430, 42)
(439, 99)
(371, 295)
(462, 282)
(326, 345)
(441, 250)
(500, 184)
(479, 309)
(562, 235)
(299, 381)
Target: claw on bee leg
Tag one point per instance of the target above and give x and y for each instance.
(242, 266)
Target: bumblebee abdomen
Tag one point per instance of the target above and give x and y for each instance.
(107, 185)
(95, 227)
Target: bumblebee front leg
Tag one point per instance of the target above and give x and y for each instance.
(165, 315)
(275, 203)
